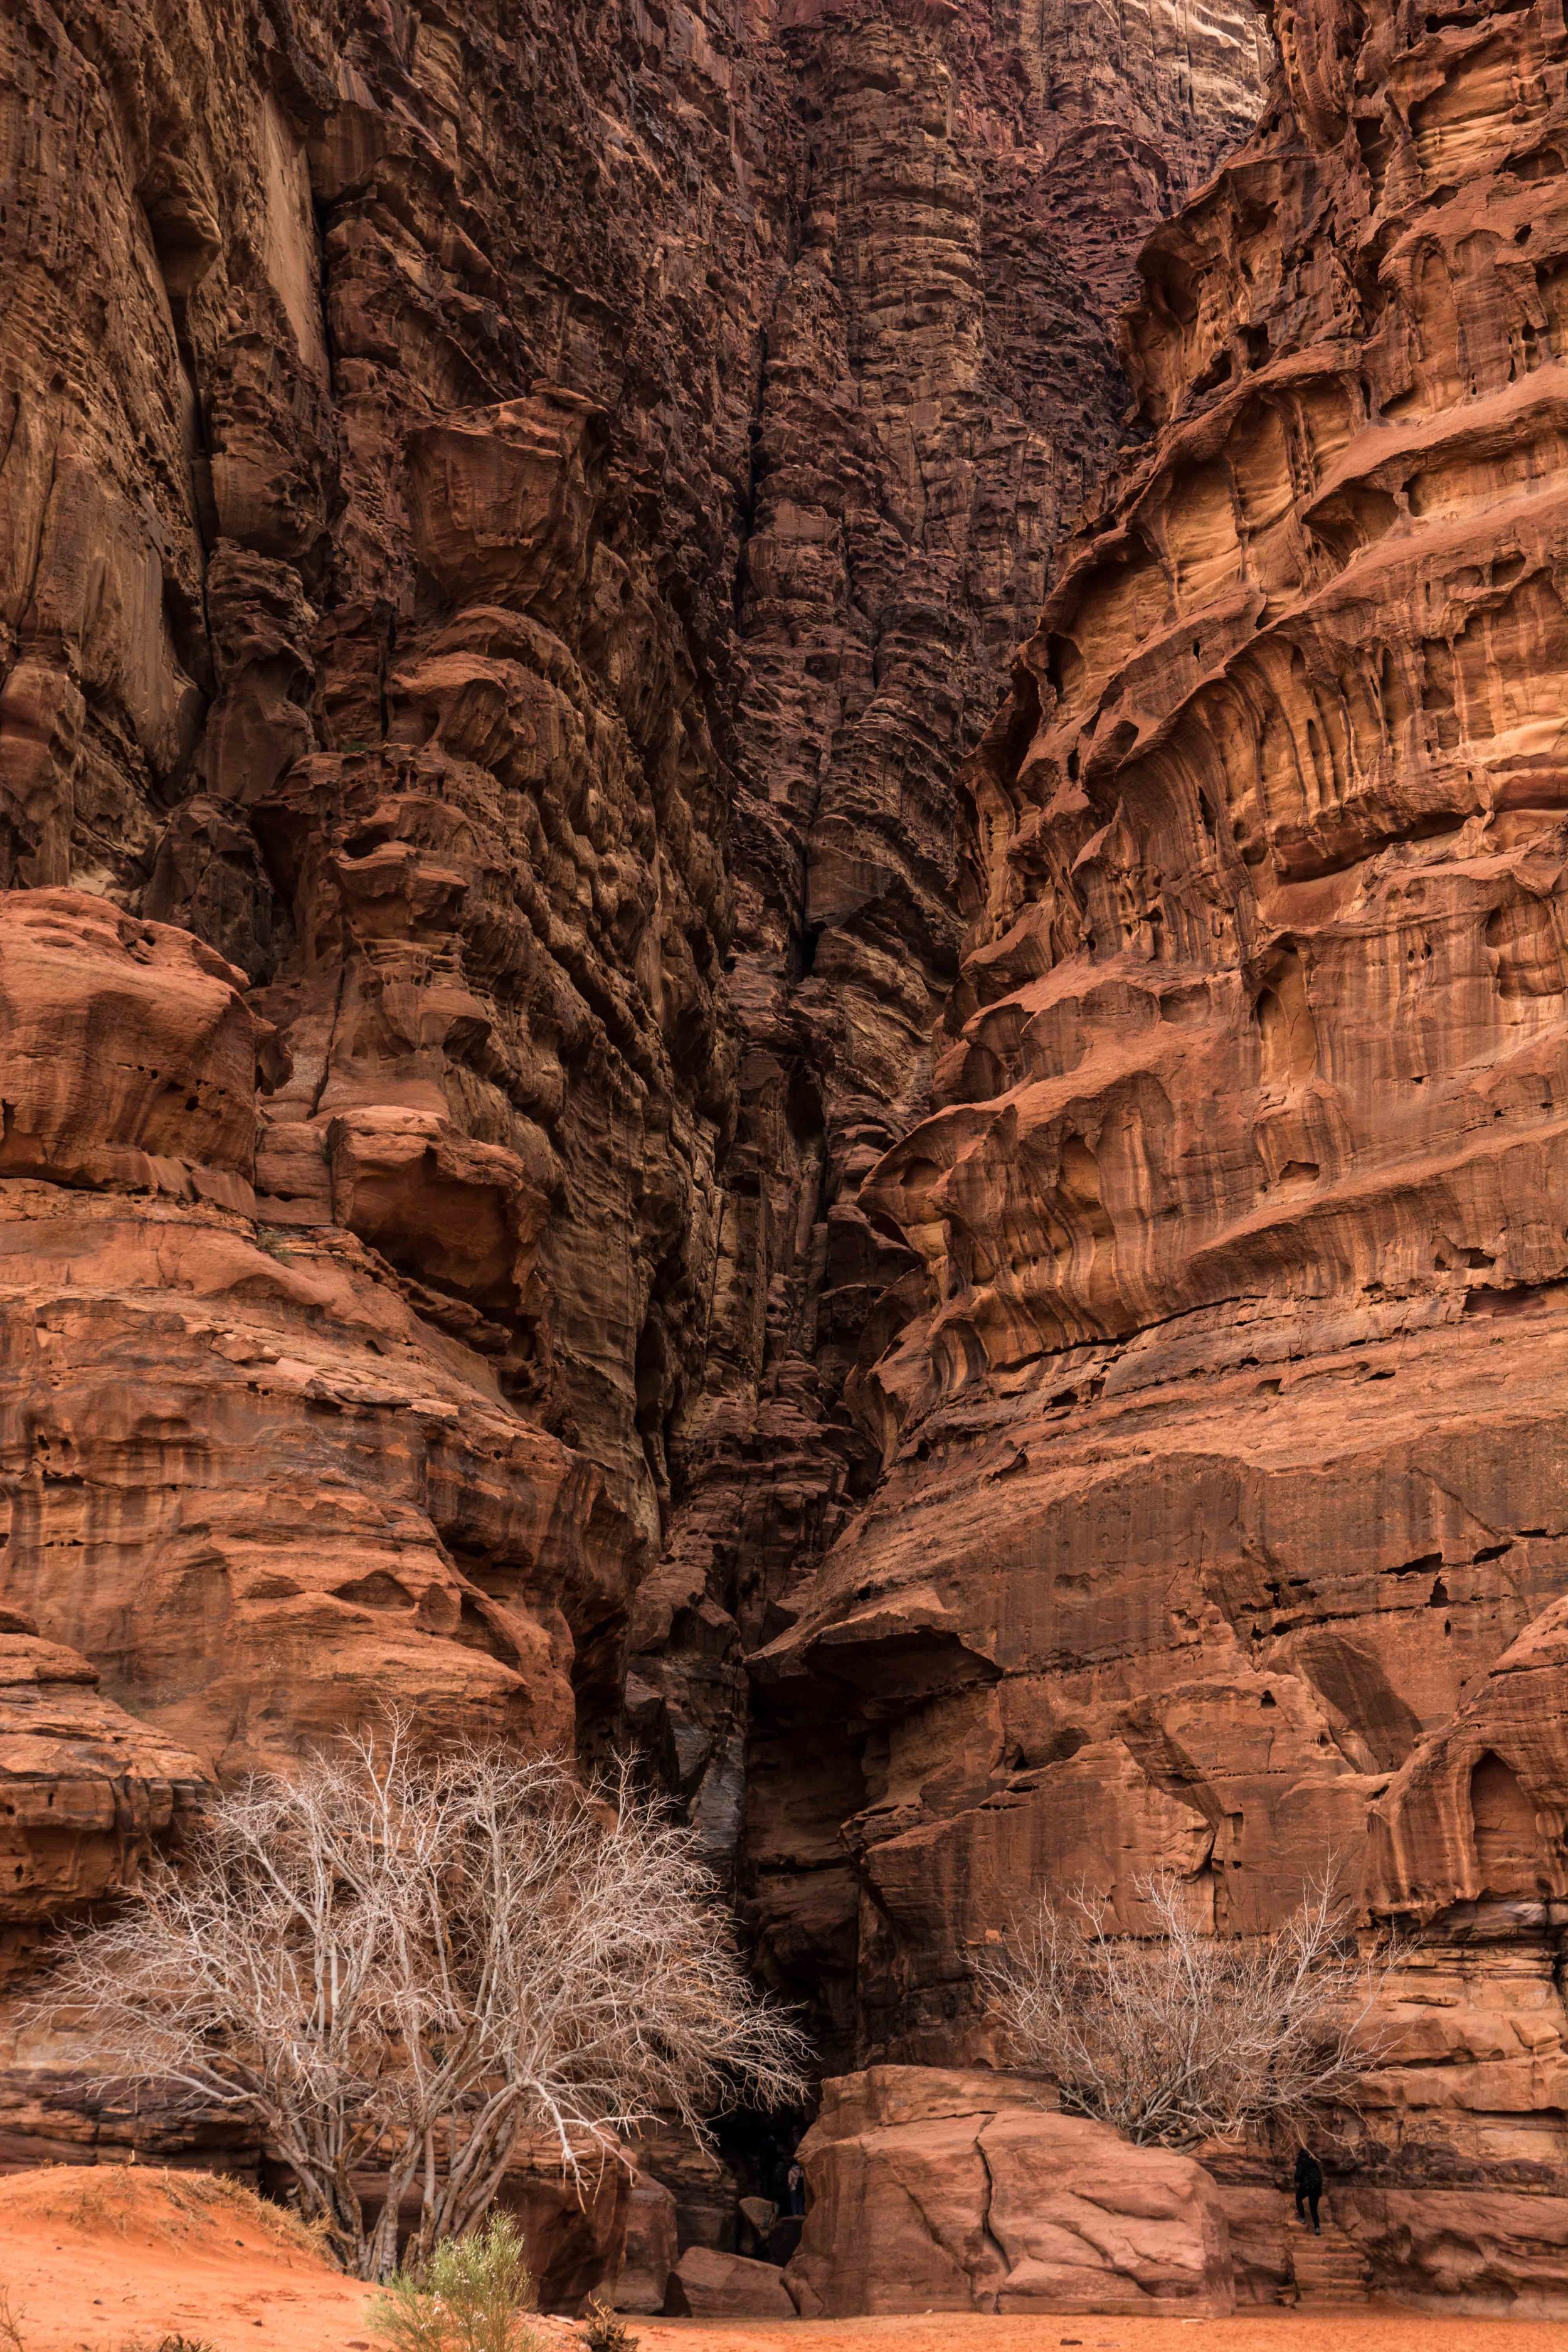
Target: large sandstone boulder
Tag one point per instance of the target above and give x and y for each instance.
(934, 2190)
(708, 2285)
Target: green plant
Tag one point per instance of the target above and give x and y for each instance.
(11, 2318)
(185, 2344)
(407, 2317)
(474, 2294)
(604, 2331)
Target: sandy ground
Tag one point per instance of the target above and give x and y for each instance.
(108, 2259)
(105, 2259)
(1356, 2330)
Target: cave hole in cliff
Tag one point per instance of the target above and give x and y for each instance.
(1503, 1825)
(1064, 664)
(758, 2144)
(1218, 372)
(1286, 1028)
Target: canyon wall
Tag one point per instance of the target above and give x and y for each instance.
(1221, 1523)
(937, 392)
(510, 519)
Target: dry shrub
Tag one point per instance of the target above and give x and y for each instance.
(400, 1962)
(605, 2330)
(1187, 2035)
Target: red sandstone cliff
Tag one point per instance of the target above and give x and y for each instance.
(937, 392)
(1221, 1517)
(510, 522)
(510, 519)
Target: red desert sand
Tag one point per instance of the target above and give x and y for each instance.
(111, 2259)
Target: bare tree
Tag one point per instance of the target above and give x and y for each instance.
(400, 1962)
(1185, 2035)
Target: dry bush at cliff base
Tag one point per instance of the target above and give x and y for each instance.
(1186, 2036)
(398, 1963)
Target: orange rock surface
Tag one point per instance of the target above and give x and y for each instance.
(509, 523)
(1221, 1517)
(87, 1791)
(510, 519)
(486, 503)
(936, 2191)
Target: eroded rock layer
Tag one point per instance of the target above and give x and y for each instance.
(510, 519)
(937, 392)
(1222, 1522)
(451, 462)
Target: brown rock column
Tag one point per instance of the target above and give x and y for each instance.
(1218, 1522)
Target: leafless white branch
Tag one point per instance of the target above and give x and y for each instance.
(402, 1961)
(1185, 2035)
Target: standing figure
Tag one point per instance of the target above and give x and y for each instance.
(1308, 2186)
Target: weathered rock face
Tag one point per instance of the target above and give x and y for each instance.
(937, 2191)
(85, 1790)
(367, 571)
(937, 392)
(510, 519)
(1221, 1517)
(242, 1475)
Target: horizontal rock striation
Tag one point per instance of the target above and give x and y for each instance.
(510, 519)
(86, 1791)
(1220, 1524)
(502, 495)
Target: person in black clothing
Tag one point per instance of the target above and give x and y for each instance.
(1308, 2186)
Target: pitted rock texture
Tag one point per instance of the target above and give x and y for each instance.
(1221, 1521)
(510, 519)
